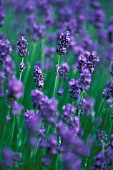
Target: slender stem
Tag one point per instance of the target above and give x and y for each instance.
(56, 79)
(2, 138)
(95, 127)
(29, 67)
(20, 76)
(106, 119)
(25, 80)
(110, 127)
(99, 111)
(42, 53)
(12, 134)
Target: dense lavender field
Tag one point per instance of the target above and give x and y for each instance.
(56, 85)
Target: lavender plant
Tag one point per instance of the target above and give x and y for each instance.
(55, 106)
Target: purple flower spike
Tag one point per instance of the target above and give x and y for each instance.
(63, 71)
(88, 61)
(38, 77)
(63, 43)
(74, 88)
(22, 45)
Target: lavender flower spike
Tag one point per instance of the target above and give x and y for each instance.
(22, 45)
(38, 77)
(63, 43)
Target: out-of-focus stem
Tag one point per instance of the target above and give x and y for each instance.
(95, 127)
(99, 111)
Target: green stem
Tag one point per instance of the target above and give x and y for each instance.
(100, 111)
(110, 128)
(13, 128)
(95, 127)
(56, 79)
(20, 76)
(42, 53)
(2, 138)
(29, 67)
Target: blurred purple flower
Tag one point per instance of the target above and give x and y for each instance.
(32, 121)
(16, 108)
(10, 158)
(15, 88)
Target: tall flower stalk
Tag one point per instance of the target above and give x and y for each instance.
(22, 45)
(61, 49)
